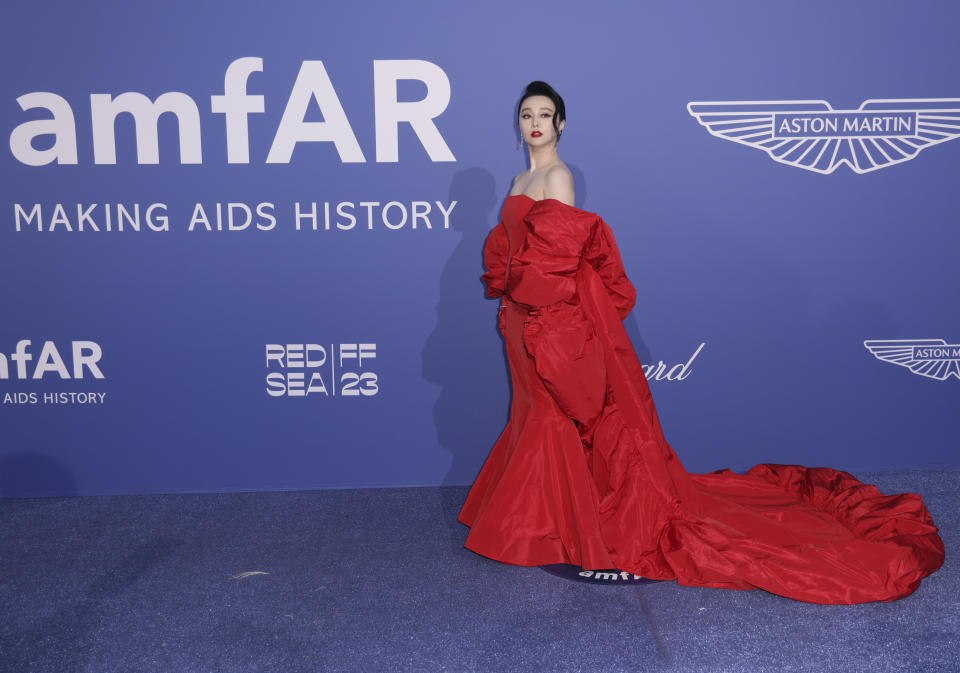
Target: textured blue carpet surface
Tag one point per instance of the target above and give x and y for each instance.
(378, 580)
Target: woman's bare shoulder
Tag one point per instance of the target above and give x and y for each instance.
(559, 184)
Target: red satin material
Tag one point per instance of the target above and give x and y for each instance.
(582, 473)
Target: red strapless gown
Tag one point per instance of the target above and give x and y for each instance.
(582, 473)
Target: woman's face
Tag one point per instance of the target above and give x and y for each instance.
(536, 121)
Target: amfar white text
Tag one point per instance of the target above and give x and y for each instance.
(55, 398)
(234, 216)
(236, 105)
(85, 355)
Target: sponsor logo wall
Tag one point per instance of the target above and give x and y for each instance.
(241, 248)
(814, 136)
(82, 361)
(299, 370)
(933, 358)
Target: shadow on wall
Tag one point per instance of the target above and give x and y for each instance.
(639, 345)
(34, 475)
(464, 354)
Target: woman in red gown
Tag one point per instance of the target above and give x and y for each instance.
(582, 473)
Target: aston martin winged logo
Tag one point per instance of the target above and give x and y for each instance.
(933, 358)
(810, 134)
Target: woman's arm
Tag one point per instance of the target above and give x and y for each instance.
(495, 253)
(603, 255)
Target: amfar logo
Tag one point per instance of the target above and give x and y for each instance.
(312, 87)
(810, 134)
(84, 355)
(594, 576)
(80, 360)
(933, 358)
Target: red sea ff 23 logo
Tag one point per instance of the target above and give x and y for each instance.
(326, 370)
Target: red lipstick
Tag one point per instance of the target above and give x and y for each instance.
(536, 134)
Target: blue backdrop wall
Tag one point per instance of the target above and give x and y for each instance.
(240, 242)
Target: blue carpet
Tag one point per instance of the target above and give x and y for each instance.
(378, 580)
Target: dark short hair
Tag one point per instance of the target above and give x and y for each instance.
(538, 88)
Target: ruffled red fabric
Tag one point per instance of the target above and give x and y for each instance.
(582, 473)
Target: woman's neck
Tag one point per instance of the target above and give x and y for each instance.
(543, 156)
